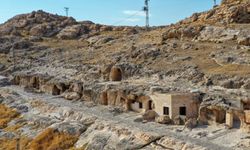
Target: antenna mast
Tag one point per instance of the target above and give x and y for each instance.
(66, 11)
(146, 10)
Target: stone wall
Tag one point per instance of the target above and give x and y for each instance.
(212, 115)
(112, 93)
(184, 100)
(160, 101)
(174, 102)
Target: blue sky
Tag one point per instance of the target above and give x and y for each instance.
(111, 12)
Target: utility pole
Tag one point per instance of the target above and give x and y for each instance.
(215, 3)
(66, 11)
(146, 10)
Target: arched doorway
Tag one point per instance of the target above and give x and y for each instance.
(236, 122)
(150, 104)
(116, 74)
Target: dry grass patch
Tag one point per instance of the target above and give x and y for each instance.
(6, 115)
(11, 144)
(14, 128)
(51, 139)
(65, 44)
(232, 69)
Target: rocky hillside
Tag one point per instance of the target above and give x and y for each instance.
(42, 24)
(207, 53)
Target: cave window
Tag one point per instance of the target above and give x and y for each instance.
(166, 110)
(182, 111)
(140, 105)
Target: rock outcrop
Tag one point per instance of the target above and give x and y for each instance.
(37, 23)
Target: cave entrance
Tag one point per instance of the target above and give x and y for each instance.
(116, 74)
(236, 122)
(246, 106)
(36, 82)
(55, 90)
(220, 116)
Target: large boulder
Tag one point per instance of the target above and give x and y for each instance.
(149, 115)
(71, 128)
(191, 123)
(72, 95)
(72, 32)
(217, 34)
(164, 119)
(100, 40)
(76, 87)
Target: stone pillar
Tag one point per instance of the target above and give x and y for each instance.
(229, 119)
(104, 98)
(247, 116)
(111, 96)
(128, 105)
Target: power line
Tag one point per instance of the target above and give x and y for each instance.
(125, 19)
(145, 9)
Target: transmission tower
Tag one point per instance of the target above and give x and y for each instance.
(146, 10)
(66, 11)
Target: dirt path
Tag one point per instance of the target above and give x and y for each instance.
(124, 119)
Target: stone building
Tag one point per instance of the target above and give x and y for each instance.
(141, 104)
(239, 117)
(175, 104)
(233, 113)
